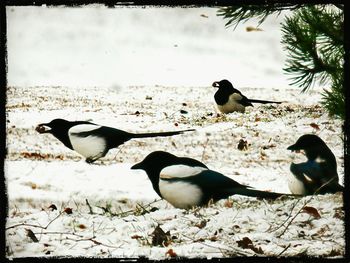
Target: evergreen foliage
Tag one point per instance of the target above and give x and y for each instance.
(313, 37)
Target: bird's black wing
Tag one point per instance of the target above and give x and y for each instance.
(218, 186)
(317, 177)
(214, 184)
(245, 101)
(114, 137)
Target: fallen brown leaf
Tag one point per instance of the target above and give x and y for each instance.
(251, 28)
(228, 203)
(52, 207)
(315, 126)
(171, 253)
(68, 210)
(31, 235)
(311, 211)
(247, 243)
(136, 237)
(159, 237)
(201, 224)
(242, 145)
(82, 226)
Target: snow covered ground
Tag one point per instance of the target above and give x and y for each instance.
(146, 70)
(41, 172)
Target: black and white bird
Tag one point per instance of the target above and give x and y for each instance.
(228, 99)
(91, 140)
(318, 175)
(186, 182)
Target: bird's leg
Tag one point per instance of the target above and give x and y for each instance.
(90, 160)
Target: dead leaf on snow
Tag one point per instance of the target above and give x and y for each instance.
(68, 210)
(136, 237)
(171, 253)
(251, 28)
(242, 145)
(213, 238)
(311, 211)
(201, 224)
(159, 237)
(228, 203)
(315, 126)
(82, 226)
(31, 235)
(247, 243)
(52, 207)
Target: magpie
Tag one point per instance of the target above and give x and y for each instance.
(228, 99)
(318, 175)
(91, 140)
(185, 182)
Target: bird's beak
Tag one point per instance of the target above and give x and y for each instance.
(215, 84)
(291, 148)
(294, 148)
(137, 166)
(43, 128)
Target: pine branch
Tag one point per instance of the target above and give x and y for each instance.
(309, 58)
(334, 99)
(237, 14)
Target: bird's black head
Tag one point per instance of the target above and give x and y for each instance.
(58, 128)
(154, 163)
(307, 141)
(54, 126)
(223, 84)
(312, 145)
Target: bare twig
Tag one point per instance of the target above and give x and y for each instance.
(284, 250)
(290, 214)
(120, 148)
(38, 226)
(125, 213)
(89, 206)
(238, 252)
(82, 238)
(290, 222)
(288, 217)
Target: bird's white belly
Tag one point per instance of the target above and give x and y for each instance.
(295, 186)
(232, 104)
(90, 146)
(180, 194)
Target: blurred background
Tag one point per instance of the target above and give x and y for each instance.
(97, 46)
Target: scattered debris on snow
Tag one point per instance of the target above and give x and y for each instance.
(61, 206)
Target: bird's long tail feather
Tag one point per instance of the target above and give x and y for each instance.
(257, 193)
(159, 134)
(264, 101)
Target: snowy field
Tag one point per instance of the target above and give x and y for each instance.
(41, 172)
(61, 206)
